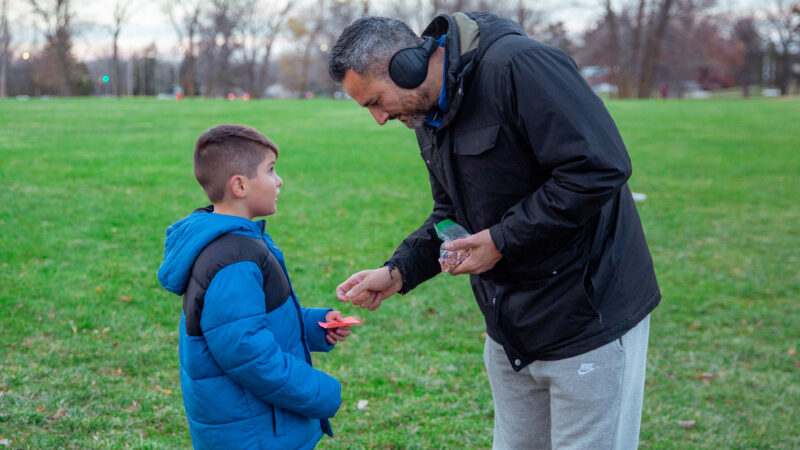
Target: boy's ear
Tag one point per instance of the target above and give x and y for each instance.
(238, 186)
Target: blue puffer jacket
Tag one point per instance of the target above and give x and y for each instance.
(245, 365)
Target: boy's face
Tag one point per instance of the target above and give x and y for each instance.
(263, 189)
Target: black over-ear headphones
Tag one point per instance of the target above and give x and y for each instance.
(408, 67)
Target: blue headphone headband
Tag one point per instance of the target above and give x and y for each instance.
(408, 67)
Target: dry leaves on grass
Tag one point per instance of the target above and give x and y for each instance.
(133, 406)
(688, 424)
(363, 405)
(126, 299)
(162, 390)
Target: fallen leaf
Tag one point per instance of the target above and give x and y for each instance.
(796, 363)
(792, 352)
(94, 383)
(40, 408)
(126, 299)
(51, 316)
(694, 326)
(106, 330)
(74, 328)
(362, 405)
(706, 376)
(99, 290)
(432, 370)
(119, 372)
(61, 412)
(747, 366)
(688, 424)
(133, 406)
(165, 391)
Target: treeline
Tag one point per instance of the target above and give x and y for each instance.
(279, 47)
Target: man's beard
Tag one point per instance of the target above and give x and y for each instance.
(419, 103)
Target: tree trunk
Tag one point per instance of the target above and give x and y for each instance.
(636, 55)
(652, 49)
(116, 74)
(5, 40)
(618, 69)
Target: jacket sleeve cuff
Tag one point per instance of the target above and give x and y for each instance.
(496, 232)
(315, 334)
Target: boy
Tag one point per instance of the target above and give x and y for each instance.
(245, 366)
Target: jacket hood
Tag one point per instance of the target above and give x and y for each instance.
(187, 237)
(469, 35)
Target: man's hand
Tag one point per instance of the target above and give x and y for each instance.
(369, 288)
(335, 335)
(483, 255)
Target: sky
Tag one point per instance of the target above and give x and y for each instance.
(149, 24)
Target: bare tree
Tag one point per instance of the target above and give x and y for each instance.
(185, 18)
(218, 43)
(121, 16)
(5, 44)
(261, 26)
(56, 16)
(652, 48)
(785, 26)
(748, 42)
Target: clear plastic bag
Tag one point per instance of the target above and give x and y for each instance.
(447, 230)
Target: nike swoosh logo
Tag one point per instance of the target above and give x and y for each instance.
(586, 368)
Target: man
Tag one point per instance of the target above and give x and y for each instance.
(523, 155)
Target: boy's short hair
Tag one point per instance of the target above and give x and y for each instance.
(225, 151)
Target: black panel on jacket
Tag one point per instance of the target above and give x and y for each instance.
(226, 250)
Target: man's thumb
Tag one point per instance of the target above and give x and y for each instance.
(357, 289)
(458, 244)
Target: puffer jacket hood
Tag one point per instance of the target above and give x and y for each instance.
(187, 237)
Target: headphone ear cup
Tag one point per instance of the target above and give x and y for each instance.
(408, 67)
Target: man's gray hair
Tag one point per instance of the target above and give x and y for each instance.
(366, 46)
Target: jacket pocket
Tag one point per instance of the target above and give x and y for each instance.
(544, 315)
(476, 142)
(533, 271)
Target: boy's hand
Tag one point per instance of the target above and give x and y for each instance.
(335, 335)
(369, 288)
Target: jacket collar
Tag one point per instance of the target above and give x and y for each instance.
(469, 35)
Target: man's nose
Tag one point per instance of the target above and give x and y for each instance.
(379, 115)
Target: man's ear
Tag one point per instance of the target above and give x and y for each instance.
(238, 186)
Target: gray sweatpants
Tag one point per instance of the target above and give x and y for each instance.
(593, 400)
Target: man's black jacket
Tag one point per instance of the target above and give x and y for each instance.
(527, 150)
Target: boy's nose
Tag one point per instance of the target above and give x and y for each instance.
(380, 116)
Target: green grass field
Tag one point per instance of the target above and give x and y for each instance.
(88, 338)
